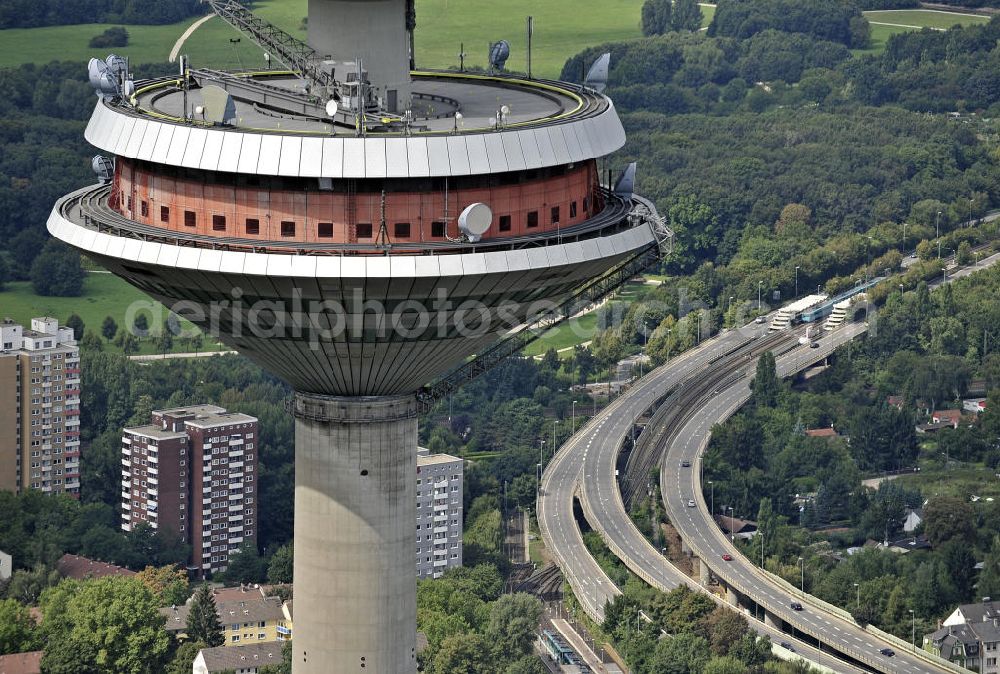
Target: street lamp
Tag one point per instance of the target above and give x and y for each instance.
(913, 629)
(937, 226)
(904, 238)
(858, 588)
(802, 565)
(761, 534)
(555, 422)
(574, 418)
(732, 534)
(712, 485)
(760, 284)
(796, 280)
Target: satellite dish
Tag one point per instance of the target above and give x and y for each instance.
(199, 109)
(597, 76)
(129, 88)
(116, 64)
(331, 108)
(219, 105)
(475, 221)
(108, 88)
(103, 167)
(95, 69)
(499, 53)
(504, 110)
(626, 182)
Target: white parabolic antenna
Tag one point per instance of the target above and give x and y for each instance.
(475, 221)
(331, 108)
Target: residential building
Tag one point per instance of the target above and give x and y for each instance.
(914, 518)
(6, 565)
(39, 407)
(80, 568)
(21, 663)
(439, 513)
(970, 637)
(243, 659)
(192, 471)
(947, 417)
(254, 618)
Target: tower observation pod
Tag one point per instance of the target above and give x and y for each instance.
(374, 250)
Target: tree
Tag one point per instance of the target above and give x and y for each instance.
(686, 15)
(4, 271)
(724, 665)
(725, 627)
(115, 618)
(949, 518)
(511, 626)
(56, 271)
(203, 618)
(765, 384)
(686, 653)
(522, 490)
(109, 328)
(989, 577)
(184, 658)
(246, 565)
(280, 568)
(75, 322)
(655, 17)
(168, 584)
(17, 628)
(461, 654)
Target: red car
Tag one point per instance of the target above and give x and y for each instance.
(727, 557)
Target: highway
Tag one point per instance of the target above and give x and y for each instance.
(832, 626)
(561, 478)
(606, 431)
(585, 465)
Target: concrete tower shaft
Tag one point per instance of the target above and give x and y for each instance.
(371, 30)
(355, 496)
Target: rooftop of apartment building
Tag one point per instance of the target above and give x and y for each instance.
(254, 607)
(240, 658)
(151, 431)
(220, 419)
(79, 567)
(433, 459)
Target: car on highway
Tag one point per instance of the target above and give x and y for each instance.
(796, 606)
(759, 320)
(813, 345)
(787, 646)
(690, 503)
(727, 557)
(887, 652)
(685, 464)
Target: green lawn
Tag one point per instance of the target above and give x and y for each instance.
(571, 333)
(104, 295)
(924, 18)
(442, 26)
(904, 20)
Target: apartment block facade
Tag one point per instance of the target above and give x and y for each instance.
(193, 471)
(439, 513)
(39, 407)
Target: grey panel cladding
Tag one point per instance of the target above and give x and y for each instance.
(119, 132)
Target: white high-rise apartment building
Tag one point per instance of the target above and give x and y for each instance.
(39, 407)
(439, 513)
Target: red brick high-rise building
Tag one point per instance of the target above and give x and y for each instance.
(193, 471)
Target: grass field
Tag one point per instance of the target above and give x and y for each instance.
(104, 295)
(885, 24)
(442, 26)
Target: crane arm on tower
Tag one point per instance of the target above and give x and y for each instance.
(294, 53)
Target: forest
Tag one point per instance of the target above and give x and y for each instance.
(34, 13)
